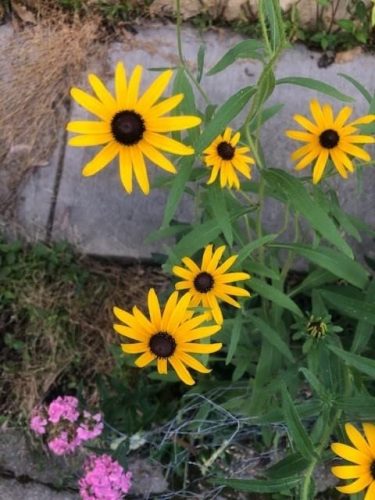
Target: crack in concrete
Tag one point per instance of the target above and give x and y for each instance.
(25, 479)
(56, 186)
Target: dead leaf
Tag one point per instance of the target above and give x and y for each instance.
(25, 15)
(348, 55)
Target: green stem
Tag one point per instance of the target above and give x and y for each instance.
(263, 26)
(181, 55)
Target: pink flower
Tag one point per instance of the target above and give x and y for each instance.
(62, 445)
(104, 479)
(38, 424)
(91, 427)
(63, 407)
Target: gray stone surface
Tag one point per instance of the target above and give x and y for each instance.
(97, 215)
(11, 489)
(100, 218)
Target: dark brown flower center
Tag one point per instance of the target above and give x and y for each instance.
(162, 344)
(127, 127)
(372, 469)
(203, 282)
(225, 150)
(329, 139)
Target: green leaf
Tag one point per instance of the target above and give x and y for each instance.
(259, 486)
(362, 364)
(265, 115)
(302, 202)
(200, 62)
(315, 279)
(310, 83)
(274, 295)
(247, 49)
(292, 464)
(295, 427)
(358, 86)
(359, 406)
(264, 89)
(336, 263)
(223, 116)
(177, 188)
(167, 232)
(275, 22)
(217, 201)
(187, 107)
(261, 270)
(314, 382)
(357, 307)
(235, 337)
(272, 336)
(254, 245)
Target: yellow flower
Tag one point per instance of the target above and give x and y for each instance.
(329, 137)
(209, 282)
(362, 456)
(167, 336)
(223, 156)
(130, 126)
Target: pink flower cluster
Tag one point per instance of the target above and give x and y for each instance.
(104, 479)
(64, 426)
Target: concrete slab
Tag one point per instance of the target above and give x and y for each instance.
(25, 206)
(100, 218)
(11, 489)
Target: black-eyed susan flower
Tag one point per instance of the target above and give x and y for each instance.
(210, 281)
(167, 336)
(362, 458)
(130, 126)
(329, 137)
(225, 158)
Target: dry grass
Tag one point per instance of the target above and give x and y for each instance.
(57, 327)
(38, 66)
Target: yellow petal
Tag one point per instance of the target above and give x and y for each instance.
(134, 348)
(165, 106)
(349, 453)
(126, 169)
(188, 326)
(308, 158)
(200, 333)
(193, 363)
(120, 85)
(184, 285)
(178, 315)
(201, 348)
(91, 104)
(88, 127)
(90, 139)
(337, 161)
(215, 308)
(159, 159)
(235, 139)
(357, 439)
(328, 115)
(145, 359)
(226, 298)
(181, 370)
(357, 485)
(234, 290)
(172, 123)
(167, 144)
(317, 113)
(228, 278)
(139, 168)
(307, 124)
(302, 151)
(369, 430)
(364, 120)
(211, 268)
(226, 265)
(154, 309)
(168, 310)
(134, 82)
(227, 134)
(242, 167)
(349, 471)
(146, 325)
(131, 333)
(162, 366)
(207, 256)
(360, 139)
(182, 273)
(214, 173)
(190, 264)
(342, 117)
(102, 93)
(300, 136)
(320, 165)
(154, 91)
(101, 159)
(370, 495)
(354, 150)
